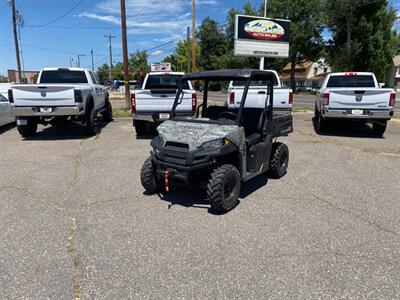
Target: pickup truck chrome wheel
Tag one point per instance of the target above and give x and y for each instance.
(223, 188)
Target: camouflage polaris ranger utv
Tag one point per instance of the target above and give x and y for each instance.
(219, 148)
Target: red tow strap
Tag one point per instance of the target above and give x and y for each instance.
(166, 181)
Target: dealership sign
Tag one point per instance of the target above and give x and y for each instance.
(161, 67)
(262, 37)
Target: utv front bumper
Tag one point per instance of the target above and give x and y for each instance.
(180, 158)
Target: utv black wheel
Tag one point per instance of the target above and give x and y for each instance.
(91, 126)
(107, 114)
(279, 160)
(223, 188)
(379, 128)
(140, 127)
(29, 129)
(147, 177)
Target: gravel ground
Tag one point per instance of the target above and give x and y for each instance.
(76, 224)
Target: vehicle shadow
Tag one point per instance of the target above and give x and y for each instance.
(345, 128)
(66, 132)
(197, 199)
(7, 127)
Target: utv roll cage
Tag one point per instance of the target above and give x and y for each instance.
(247, 75)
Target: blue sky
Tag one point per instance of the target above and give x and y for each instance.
(152, 24)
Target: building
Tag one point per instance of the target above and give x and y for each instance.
(27, 76)
(309, 75)
(393, 75)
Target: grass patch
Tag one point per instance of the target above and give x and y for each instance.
(301, 109)
(122, 113)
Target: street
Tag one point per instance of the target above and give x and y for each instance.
(76, 223)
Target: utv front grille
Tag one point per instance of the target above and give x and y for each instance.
(174, 160)
(175, 145)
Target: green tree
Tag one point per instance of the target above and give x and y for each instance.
(362, 35)
(103, 73)
(138, 62)
(212, 44)
(307, 18)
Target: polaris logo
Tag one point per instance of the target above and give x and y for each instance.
(43, 93)
(359, 98)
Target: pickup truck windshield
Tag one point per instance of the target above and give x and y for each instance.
(351, 81)
(164, 82)
(63, 76)
(254, 82)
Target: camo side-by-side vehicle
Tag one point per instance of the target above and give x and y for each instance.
(220, 147)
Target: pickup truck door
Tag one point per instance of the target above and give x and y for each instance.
(99, 92)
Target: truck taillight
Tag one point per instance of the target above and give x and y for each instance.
(325, 98)
(232, 98)
(133, 102)
(10, 96)
(290, 97)
(392, 99)
(194, 102)
(78, 96)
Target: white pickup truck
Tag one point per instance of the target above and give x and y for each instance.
(354, 96)
(283, 97)
(60, 95)
(153, 103)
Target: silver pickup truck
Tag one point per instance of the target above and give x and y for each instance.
(354, 96)
(60, 95)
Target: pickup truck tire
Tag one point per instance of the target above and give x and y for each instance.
(223, 188)
(29, 129)
(379, 128)
(279, 160)
(107, 115)
(140, 127)
(147, 177)
(320, 123)
(91, 126)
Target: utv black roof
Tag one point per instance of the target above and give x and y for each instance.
(229, 74)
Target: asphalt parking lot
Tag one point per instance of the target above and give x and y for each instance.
(76, 224)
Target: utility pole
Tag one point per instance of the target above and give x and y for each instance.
(71, 62)
(110, 37)
(91, 52)
(125, 55)
(17, 53)
(262, 60)
(79, 59)
(188, 48)
(194, 36)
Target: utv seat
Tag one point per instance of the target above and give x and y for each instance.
(253, 121)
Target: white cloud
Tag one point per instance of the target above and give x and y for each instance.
(158, 52)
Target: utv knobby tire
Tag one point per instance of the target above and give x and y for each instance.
(223, 188)
(147, 177)
(29, 129)
(91, 126)
(140, 127)
(379, 128)
(107, 114)
(279, 160)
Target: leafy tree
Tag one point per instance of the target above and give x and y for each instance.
(138, 62)
(307, 18)
(174, 62)
(103, 73)
(212, 44)
(3, 79)
(362, 35)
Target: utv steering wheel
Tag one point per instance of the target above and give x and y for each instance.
(229, 115)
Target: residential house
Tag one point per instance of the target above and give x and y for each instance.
(309, 75)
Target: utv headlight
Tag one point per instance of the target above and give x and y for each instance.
(213, 144)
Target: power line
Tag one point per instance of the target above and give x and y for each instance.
(60, 17)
